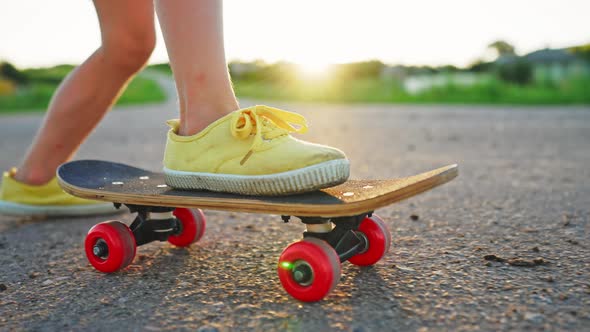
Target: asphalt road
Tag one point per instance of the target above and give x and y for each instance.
(504, 246)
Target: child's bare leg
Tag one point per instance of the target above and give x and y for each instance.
(127, 31)
(193, 32)
(249, 151)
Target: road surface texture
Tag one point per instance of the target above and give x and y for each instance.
(504, 246)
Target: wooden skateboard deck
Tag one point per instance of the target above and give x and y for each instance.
(120, 183)
(340, 224)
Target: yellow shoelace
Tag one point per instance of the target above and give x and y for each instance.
(264, 120)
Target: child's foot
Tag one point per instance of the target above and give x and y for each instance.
(19, 199)
(250, 151)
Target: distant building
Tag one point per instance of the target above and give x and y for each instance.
(397, 72)
(551, 64)
(557, 64)
(418, 83)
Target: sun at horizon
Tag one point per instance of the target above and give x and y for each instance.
(314, 69)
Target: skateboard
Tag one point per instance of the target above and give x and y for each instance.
(340, 222)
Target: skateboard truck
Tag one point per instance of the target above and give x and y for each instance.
(153, 223)
(111, 245)
(150, 224)
(344, 237)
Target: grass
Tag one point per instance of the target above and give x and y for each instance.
(42, 83)
(162, 68)
(491, 91)
(142, 90)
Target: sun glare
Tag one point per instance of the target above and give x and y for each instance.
(314, 70)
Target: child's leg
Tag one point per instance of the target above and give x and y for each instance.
(248, 151)
(193, 32)
(127, 31)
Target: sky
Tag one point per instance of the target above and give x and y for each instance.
(317, 32)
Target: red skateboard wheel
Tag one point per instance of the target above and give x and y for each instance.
(110, 246)
(378, 238)
(309, 269)
(193, 227)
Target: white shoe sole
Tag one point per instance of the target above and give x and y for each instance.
(16, 209)
(323, 175)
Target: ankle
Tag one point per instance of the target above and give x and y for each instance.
(38, 178)
(197, 117)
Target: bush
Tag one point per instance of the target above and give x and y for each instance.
(162, 68)
(518, 71)
(8, 71)
(52, 75)
(6, 87)
(480, 66)
(359, 70)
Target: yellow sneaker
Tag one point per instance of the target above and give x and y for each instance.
(19, 199)
(250, 152)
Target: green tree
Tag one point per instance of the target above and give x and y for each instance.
(502, 48)
(8, 71)
(519, 71)
(357, 70)
(582, 51)
(480, 66)
(448, 69)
